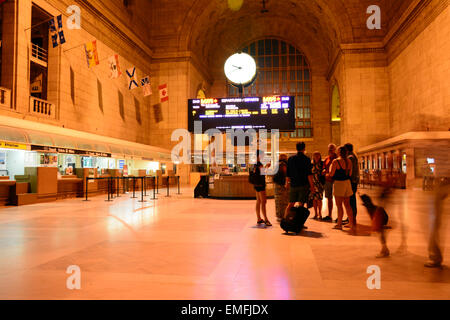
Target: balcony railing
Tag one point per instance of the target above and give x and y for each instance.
(5, 98)
(42, 108)
(39, 55)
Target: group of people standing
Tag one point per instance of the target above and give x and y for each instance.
(302, 180)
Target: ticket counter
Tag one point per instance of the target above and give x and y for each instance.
(235, 187)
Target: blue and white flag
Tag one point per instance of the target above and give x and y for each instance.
(132, 81)
(62, 39)
(57, 33)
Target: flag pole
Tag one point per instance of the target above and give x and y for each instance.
(36, 25)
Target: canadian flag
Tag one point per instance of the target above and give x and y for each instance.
(163, 93)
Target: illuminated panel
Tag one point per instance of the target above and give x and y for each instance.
(273, 112)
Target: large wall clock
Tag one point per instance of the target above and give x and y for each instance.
(240, 69)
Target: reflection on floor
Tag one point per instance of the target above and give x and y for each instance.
(185, 248)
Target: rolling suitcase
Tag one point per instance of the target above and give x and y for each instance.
(296, 220)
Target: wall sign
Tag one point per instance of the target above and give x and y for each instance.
(11, 145)
(70, 151)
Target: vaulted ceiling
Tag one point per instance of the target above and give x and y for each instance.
(211, 30)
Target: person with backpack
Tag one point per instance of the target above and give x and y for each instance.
(281, 192)
(258, 181)
(319, 181)
(299, 178)
(341, 172)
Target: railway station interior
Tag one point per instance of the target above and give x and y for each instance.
(96, 95)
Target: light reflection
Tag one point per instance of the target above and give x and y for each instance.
(235, 5)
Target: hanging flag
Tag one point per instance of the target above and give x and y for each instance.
(146, 86)
(132, 81)
(55, 33)
(163, 93)
(62, 39)
(91, 54)
(114, 66)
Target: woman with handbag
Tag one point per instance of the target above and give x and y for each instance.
(259, 183)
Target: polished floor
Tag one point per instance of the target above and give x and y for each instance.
(185, 248)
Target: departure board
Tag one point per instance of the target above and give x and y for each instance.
(243, 113)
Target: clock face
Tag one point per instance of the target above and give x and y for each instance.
(240, 68)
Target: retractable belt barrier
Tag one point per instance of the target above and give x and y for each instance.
(113, 186)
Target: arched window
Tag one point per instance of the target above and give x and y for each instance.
(335, 104)
(282, 70)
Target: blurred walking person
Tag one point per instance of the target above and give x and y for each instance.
(442, 175)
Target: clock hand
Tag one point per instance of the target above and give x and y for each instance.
(237, 67)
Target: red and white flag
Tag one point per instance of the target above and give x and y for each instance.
(163, 93)
(114, 66)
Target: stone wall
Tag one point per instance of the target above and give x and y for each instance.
(419, 86)
(80, 108)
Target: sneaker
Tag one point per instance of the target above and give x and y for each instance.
(327, 219)
(260, 222)
(345, 221)
(268, 224)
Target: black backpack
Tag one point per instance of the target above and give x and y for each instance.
(253, 176)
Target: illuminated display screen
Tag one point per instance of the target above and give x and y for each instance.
(243, 113)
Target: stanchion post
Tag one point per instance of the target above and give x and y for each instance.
(178, 178)
(157, 184)
(154, 188)
(134, 188)
(142, 190)
(144, 183)
(168, 186)
(87, 188)
(109, 187)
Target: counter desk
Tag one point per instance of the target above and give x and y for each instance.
(235, 187)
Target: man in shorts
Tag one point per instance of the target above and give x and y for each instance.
(329, 181)
(299, 178)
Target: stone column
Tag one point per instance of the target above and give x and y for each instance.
(365, 96)
(16, 46)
